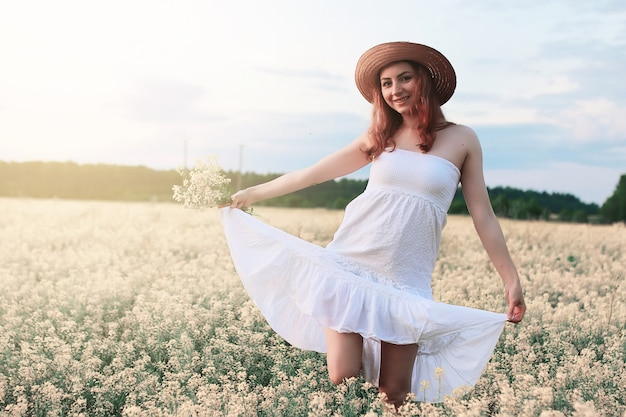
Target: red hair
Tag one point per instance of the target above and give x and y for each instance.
(386, 121)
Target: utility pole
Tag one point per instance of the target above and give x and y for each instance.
(240, 167)
(185, 153)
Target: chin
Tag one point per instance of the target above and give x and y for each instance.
(404, 111)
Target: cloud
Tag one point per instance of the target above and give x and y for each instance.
(529, 157)
(541, 82)
(165, 102)
(596, 120)
(556, 84)
(317, 79)
(282, 142)
(286, 72)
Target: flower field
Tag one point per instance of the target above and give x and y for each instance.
(135, 309)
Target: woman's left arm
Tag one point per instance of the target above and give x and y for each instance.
(488, 227)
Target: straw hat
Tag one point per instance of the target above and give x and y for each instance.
(374, 59)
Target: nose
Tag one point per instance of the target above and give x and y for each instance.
(396, 88)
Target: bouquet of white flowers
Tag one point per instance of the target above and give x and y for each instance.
(204, 186)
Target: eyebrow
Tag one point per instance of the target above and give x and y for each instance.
(399, 75)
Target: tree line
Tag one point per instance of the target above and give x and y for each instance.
(69, 180)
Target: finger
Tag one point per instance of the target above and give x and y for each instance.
(513, 319)
(517, 315)
(510, 313)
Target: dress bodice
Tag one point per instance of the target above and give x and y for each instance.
(424, 175)
(393, 229)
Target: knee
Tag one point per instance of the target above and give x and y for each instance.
(335, 378)
(396, 394)
(338, 376)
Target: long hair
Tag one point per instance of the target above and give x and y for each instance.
(386, 121)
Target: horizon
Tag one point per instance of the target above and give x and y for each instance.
(364, 178)
(174, 82)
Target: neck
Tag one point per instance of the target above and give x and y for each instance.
(409, 122)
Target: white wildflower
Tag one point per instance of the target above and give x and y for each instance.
(204, 186)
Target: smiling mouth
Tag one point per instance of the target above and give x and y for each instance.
(401, 100)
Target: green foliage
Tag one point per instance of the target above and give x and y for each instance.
(69, 180)
(531, 205)
(111, 182)
(614, 208)
(331, 194)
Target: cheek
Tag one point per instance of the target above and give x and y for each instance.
(415, 90)
(387, 97)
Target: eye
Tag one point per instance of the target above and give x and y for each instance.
(405, 78)
(385, 83)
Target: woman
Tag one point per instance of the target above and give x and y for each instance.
(365, 299)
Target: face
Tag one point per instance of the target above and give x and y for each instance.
(398, 84)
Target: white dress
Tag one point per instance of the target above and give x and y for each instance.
(373, 278)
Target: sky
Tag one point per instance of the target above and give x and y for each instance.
(270, 84)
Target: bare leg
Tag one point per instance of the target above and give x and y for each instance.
(396, 368)
(343, 355)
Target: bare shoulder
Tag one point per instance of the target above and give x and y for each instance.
(456, 143)
(461, 133)
(467, 139)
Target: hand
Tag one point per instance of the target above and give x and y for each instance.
(240, 199)
(515, 302)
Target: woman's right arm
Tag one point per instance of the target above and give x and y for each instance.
(342, 162)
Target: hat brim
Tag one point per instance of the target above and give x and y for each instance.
(374, 59)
